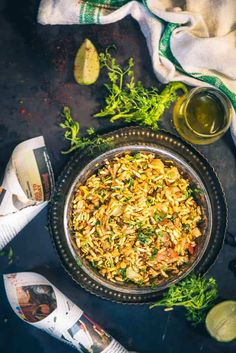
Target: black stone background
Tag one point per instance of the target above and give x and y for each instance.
(36, 69)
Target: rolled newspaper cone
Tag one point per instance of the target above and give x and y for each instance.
(39, 303)
(26, 187)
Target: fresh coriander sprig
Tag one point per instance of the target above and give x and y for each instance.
(72, 134)
(130, 100)
(195, 293)
(9, 253)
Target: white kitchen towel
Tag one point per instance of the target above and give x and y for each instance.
(188, 40)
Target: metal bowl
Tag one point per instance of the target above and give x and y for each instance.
(167, 147)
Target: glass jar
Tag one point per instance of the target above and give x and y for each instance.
(203, 115)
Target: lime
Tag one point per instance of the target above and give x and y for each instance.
(86, 65)
(221, 321)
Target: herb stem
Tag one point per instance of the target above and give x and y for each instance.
(130, 100)
(72, 134)
(195, 294)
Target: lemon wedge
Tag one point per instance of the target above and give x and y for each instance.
(221, 321)
(86, 65)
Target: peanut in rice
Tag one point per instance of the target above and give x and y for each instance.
(136, 220)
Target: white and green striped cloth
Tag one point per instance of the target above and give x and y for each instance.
(188, 40)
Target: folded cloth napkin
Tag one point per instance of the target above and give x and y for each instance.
(190, 41)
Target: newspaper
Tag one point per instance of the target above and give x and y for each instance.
(26, 188)
(38, 302)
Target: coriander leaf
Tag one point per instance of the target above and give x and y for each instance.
(152, 257)
(144, 234)
(123, 272)
(130, 100)
(153, 285)
(198, 191)
(78, 261)
(195, 293)
(91, 131)
(142, 238)
(158, 218)
(110, 263)
(94, 264)
(72, 134)
(10, 256)
(186, 227)
(140, 283)
(188, 193)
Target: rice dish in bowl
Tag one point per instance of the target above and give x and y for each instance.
(137, 219)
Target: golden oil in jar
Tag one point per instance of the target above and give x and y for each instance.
(203, 115)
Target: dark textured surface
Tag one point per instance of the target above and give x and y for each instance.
(36, 80)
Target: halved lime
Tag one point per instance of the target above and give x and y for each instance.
(221, 321)
(86, 65)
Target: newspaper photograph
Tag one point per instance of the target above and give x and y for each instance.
(27, 185)
(38, 302)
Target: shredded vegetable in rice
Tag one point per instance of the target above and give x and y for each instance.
(135, 220)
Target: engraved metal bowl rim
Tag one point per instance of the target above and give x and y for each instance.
(163, 137)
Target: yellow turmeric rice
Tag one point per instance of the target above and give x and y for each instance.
(136, 220)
